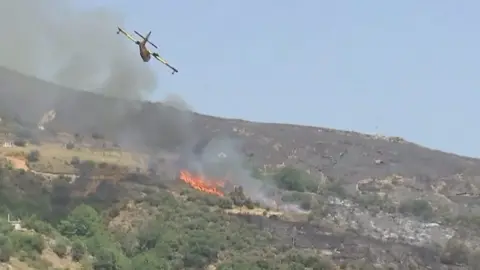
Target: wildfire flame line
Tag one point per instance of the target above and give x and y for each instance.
(199, 183)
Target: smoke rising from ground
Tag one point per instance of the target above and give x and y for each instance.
(53, 40)
(221, 158)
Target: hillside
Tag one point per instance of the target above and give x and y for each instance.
(345, 155)
(354, 198)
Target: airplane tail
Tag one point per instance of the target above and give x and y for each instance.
(145, 38)
(148, 36)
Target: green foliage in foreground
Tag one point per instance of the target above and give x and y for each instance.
(191, 232)
(176, 234)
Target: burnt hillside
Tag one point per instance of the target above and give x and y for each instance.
(343, 155)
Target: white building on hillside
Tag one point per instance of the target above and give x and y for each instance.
(7, 144)
(15, 223)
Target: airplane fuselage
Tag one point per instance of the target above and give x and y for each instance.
(144, 53)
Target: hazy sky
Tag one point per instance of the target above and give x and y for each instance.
(405, 68)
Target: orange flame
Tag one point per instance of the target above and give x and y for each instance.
(199, 183)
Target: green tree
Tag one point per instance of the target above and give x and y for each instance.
(149, 261)
(28, 242)
(290, 178)
(83, 221)
(38, 225)
(202, 250)
(106, 260)
(6, 248)
(5, 227)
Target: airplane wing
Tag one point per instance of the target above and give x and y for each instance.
(174, 70)
(120, 30)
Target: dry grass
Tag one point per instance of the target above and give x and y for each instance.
(54, 158)
(255, 211)
(52, 165)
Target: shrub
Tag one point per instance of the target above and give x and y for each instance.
(70, 146)
(225, 203)
(33, 156)
(455, 252)
(20, 142)
(78, 251)
(249, 203)
(60, 249)
(306, 204)
(6, 248)
(5, 226)
(38, 225)
(75, 161)
(102, 165)
(418, 208)
(27, 242)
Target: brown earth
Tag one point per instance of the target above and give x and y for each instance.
(18, 163)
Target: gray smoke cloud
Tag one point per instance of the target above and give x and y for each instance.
(79, 48)
(55, 41)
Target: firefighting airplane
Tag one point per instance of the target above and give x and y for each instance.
(145, 53)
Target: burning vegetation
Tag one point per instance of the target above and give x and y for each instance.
(231, 195)
(202, 184)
